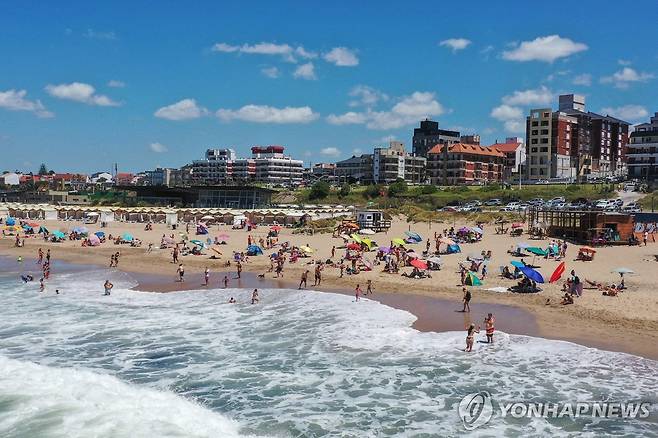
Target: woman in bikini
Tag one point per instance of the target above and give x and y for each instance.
(489, 327)
(470, 335)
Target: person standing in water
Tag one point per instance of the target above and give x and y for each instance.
(470, 335)
(108, 287)
(181, 273)
(489, 327)
(225, 281)
(239, 267)
(357, 292)
(40, 259)
(206, 275)
(42, 286)
(254, 297)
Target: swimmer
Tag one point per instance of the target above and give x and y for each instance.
(108, 287)
(232, 300)
(26, 278)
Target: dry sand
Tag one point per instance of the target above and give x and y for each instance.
(628, 322)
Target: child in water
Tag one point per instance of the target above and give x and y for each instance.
(470, 335)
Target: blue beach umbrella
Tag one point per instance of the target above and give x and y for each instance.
(99, 234)
(59, 234)
(10, 221)
(127, 237)
(413, 235)
(532, 274)
(517, 264)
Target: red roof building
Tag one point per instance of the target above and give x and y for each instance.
(464, 163)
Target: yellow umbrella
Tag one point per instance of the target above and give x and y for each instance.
(399, 241)
(368, 242)
(306, 249)
(356, 238)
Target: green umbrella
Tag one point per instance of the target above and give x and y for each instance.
(197, 242)
(472, 279)
(58, 234)
(536, 251)
(399, 241)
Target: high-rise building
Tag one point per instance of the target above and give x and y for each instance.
(548, 144)
(214, 168)
(429, 135)
(384, 166)
(642, 151)
(461, 163)
(274, 167)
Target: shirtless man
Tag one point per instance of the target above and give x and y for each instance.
(303, 279)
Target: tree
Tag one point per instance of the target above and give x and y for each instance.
(319, 190)
(344, 190)
(43, 170)
(397, 188)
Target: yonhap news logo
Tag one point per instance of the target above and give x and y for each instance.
(478, 408)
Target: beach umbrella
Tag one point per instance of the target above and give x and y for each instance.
(623, 271)
(413, 235)
(43, 229)
(306, 249)
(94, 240)
(10, 221)
(536, 251)
(464, 230)
(472, 279)
(518, 225)
(254, 250)
(532, 274)
(99, 234)
(369, 243)
(436, 260)
(354, 246)
(417, 263)
(275, 228)
(385, 249)
(366, 231)
(356, 238)
(447, 241)
(477, 230)
(197, 242)
(517, 264)
(33, 224)
(127, 237)
(475, 256)
(398, 241)
(555, 276)
(59, 234)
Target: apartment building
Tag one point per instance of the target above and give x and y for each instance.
(355, 169)
(515, 157)
(428, 135)
(462, 163)
(272, 166)
(214, 168)
(384, 166)
(642, 151)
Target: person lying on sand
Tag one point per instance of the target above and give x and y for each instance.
(611, 291)
(567, 299)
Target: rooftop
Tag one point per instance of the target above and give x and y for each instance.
(465, 148)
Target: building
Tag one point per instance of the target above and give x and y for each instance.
(164, 176)
(355, 169)
(214, 168)
(461, 163)
(237, 197)
(428, 135)
(10, 179)
(322, 171)
(470, 139)
(548, 144)
(124, 178)
(642, 151)
(272, 166)
(384, 166)
(515, 155)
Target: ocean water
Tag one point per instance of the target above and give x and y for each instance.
(299, 364)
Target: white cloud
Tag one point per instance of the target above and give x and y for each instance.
(270, 72)
(305, 71)
(330, 152)
(408, 110)
(624, 77)
(349, 118)
(286, 51)
(185, 109)
(538, 96)
(455, 43)
(80, 92)
(342, 57)
(511, 116)
(547, 49)
(624, 62)
(116, 84)
(268, 114)
(14, 100)
(585, 79)
(158, 148)
(631, 113)
(94, 34)
(366, 96)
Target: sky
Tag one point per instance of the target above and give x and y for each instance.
(155, 83)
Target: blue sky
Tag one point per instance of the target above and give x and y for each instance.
(87, 84)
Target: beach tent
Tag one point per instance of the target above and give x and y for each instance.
(413, 236)
(201, 229)
(253, 250)
(58, 234)
(532, 274)
(452, 249)
(356, 238)
(43, 230)
(398, 241)
(127, 237)
(81, 230)
(417, 263)
(472, 279)
(99, 234)
(557, 273)
(10, 221)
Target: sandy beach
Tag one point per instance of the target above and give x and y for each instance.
(627, 322)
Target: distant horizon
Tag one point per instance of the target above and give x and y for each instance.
(87, 87)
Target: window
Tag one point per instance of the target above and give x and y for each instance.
(533, 141)
(533, 150)
(535, 132)
(547, 114)
(544, 141)
(544, 122)
(544, 149)
(535, 123)
(544, 132)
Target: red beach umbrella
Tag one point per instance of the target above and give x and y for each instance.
(354, 246)
(419, 264)
(557, 273)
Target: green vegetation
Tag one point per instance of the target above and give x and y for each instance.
(319, 190)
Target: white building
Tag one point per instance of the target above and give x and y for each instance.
(10, 179)
(642, 151)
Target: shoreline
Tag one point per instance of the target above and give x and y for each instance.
(435, 309)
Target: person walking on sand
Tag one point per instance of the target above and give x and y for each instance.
(369, 287)
(646, 237)
(239, 268)
(489, 327)
(206, 275)
(108, 287)
(467, 300)
(111, 260)
(116, 259)
(318, 274)
(175, 254)
(470, 335)
(254, 297)
(484, 271)
(303, 279)
(225, 281)
(333, 251)
(181, 273)
(357, 293)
